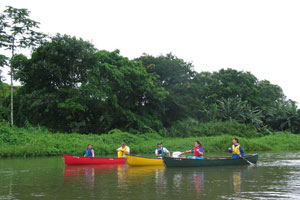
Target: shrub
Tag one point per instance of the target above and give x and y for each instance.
(191, 127)
(39, 142)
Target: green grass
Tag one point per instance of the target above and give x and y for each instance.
(40, 142)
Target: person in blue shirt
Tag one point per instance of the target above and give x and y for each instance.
(89, 152)
(236, 149)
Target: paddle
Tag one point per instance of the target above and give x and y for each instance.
(245, 160)
(248, 161)
(176, 154)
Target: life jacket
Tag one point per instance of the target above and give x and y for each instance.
(121, 154)
(161, 151)
(196, 152)
(88, 152)
(236, 149)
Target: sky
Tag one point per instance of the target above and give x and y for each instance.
(259, 36)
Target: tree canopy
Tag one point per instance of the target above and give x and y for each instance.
(69, 85)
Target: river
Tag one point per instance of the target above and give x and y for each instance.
(276, 176)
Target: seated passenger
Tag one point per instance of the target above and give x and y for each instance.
(123, 150)
(161, 151)
(198, 151)
(89, 152)
(236, 149)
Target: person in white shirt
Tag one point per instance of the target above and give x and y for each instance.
(161, 151)
(123, 150)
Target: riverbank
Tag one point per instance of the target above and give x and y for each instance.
(40, 142)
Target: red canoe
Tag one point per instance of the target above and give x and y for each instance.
(75, 160)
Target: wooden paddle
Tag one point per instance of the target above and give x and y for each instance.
(245, 160)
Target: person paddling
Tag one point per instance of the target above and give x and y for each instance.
(161, 151)
(236, 149)
(198, 151)
(123, 150)
(89, 152)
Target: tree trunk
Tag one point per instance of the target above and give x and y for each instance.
(11, 97)
(12, 88)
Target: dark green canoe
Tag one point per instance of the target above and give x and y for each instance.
(213, 161)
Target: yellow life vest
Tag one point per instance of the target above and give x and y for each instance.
(121, 153)
(236, 149)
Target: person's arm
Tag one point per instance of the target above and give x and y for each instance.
(167, 151)
(118, 149)
(127, 151)
(230, 149)
(156, 153)
(242, 151)
(189, 151)
(200, 152)
(93, 153)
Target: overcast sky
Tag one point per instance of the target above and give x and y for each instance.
(260, 36)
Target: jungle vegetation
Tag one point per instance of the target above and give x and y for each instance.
(68, 85)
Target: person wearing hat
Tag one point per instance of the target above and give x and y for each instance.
(161, 151)
(123, 150)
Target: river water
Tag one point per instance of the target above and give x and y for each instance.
(276, 176)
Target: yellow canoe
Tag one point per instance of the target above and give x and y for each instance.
(140, 161)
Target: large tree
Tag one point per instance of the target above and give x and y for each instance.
(71, 86)
(207, 88)
(175, 76)
(17, 31)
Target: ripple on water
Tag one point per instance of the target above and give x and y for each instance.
(260, 195)
(38, 195)
(6, 172)
(8, 197)
(24, 171)
(295, 163)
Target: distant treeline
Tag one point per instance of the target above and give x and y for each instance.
(68, 85)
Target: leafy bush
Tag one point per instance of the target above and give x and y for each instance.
(39, 142)
(192, 127)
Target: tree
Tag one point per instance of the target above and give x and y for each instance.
(17, 31)
(51, 80)
(236, 109)
(284, 115)
(68, 85)
(207, 88)
(267, 94)
(175, 76)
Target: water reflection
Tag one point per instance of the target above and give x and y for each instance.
(138, 172)
(268, 180)
(163, 180)
(135, 174)
(237, 175)
(193, 179)
(198, 179)
(88, 171)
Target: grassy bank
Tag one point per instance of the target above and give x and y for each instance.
(39, 142)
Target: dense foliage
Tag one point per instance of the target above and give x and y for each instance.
(40, 142)
(68, 85)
